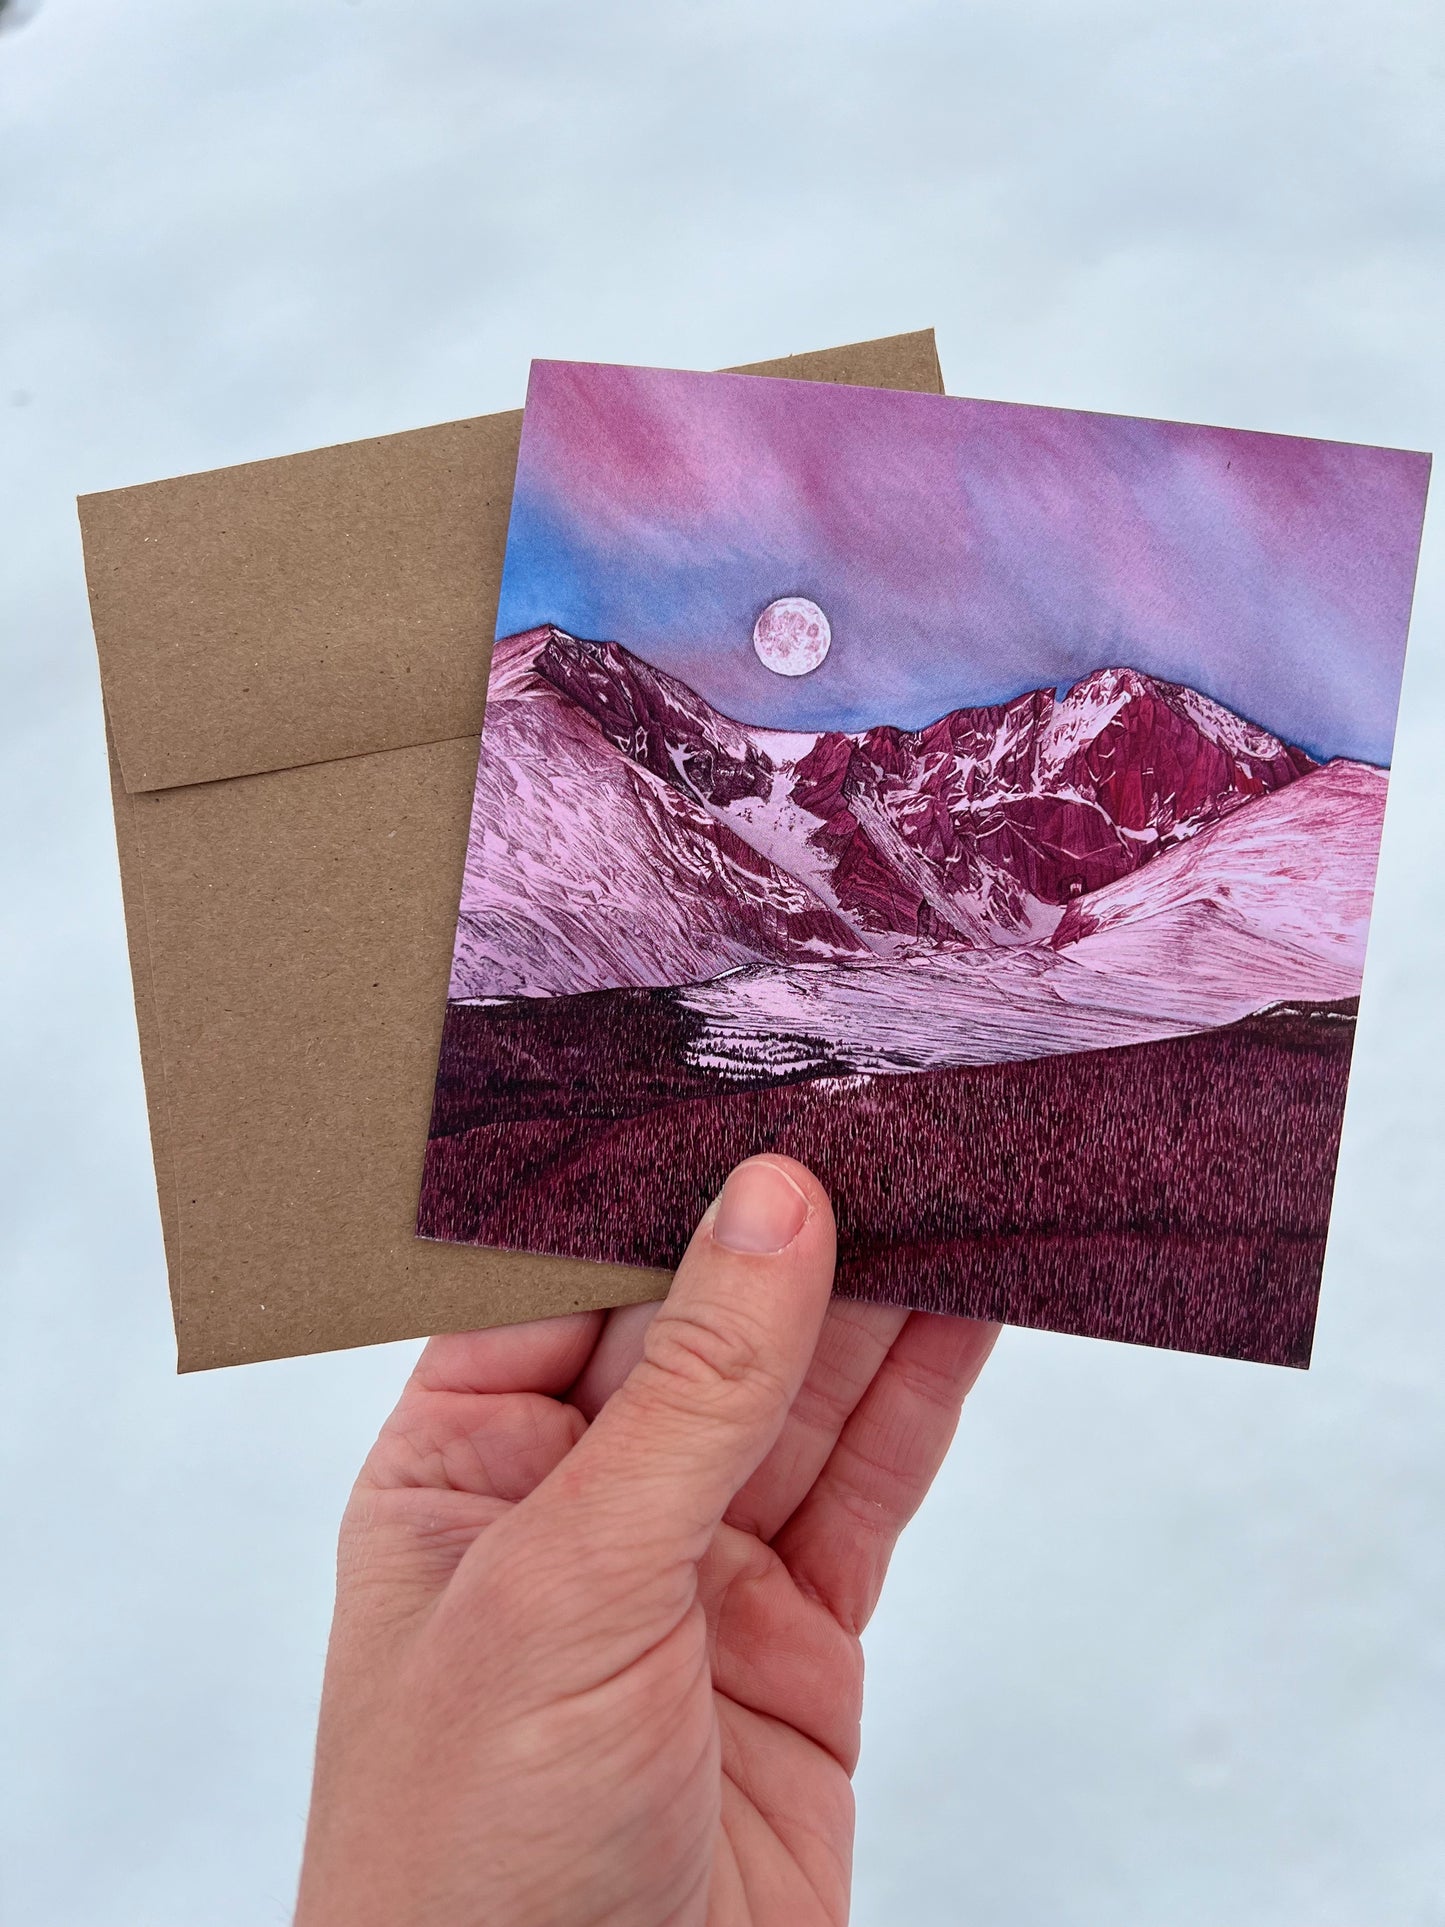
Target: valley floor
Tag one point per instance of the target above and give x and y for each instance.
(1169, 1193)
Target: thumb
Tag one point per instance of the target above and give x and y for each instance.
(721, 1363)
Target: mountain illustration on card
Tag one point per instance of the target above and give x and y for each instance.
(978, 803)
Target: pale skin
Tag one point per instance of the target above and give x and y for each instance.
(596, 1649)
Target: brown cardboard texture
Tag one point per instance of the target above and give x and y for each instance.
(294, 661)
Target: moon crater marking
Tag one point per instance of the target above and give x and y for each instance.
(791, 636)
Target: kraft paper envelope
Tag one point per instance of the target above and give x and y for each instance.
(294, 661)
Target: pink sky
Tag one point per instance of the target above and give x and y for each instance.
(963, 550)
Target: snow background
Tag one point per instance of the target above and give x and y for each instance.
(1168, 1643)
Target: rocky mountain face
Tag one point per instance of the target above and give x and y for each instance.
(657, 722)
(626, 833)
(975, 828)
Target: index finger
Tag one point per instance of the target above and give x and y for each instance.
(544, 1355)
(838, 1543)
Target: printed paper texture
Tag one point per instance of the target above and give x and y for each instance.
(980, 803)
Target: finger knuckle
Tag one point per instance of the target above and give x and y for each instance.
(711, 1355)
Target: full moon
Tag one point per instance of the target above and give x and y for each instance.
(791, 636)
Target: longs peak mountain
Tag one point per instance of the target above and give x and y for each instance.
(626, 833)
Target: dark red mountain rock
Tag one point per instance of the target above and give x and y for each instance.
(654, 719)
(988, 815)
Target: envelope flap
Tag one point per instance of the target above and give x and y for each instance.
(331, 603)
(292, 611)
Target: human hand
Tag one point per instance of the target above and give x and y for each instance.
(601, 1583)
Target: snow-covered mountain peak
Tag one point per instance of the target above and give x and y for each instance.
(977, 830)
